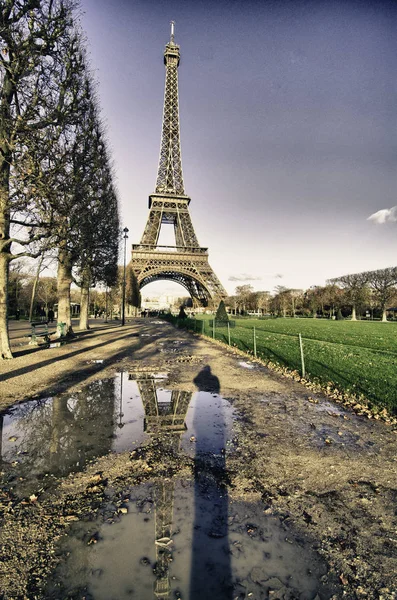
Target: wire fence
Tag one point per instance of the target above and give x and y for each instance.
(358, 370)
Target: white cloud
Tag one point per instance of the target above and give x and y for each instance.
(244, 277)
(386, 215)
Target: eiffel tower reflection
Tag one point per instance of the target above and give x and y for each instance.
(165, 414)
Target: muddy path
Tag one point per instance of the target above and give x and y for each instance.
(178, 467)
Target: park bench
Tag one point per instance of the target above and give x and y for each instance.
(39, 333)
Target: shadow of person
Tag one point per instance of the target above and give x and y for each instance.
(207, 381)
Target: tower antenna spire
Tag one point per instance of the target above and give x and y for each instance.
(172, 31)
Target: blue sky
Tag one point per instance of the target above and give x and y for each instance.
(288, 129)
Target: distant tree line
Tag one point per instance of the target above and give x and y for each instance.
(30, 297)
(370, 293)
(57, 192)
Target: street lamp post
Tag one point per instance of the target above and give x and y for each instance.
(125, 230)
(120, 424)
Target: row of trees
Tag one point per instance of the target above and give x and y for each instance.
(345, 295)
(29, 295)
(57, 194)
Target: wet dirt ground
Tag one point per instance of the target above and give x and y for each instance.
(177, 466)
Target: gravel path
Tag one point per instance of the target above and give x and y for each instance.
(329, 474)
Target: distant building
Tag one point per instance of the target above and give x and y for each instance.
(162, 302)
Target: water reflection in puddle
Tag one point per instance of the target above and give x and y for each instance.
(60, 434)
(175, 542)
(246, 365)
(180, 537)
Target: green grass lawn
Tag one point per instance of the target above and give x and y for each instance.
(359, 357)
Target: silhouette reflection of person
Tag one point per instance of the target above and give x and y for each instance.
(207, 381)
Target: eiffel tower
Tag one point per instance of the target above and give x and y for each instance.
(165, 419)
(186, 262)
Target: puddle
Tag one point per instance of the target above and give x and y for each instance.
(149, 334)
(172, 346)
(175, 537)
(331, 409)
(61, 434)
(246, 365)
(186, 539)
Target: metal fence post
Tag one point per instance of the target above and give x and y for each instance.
(213, 329)
(202, 326)
(228, 332)
(302, 357)
(254, 343)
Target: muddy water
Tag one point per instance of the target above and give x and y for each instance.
(217, 549)
(180, 537)
(54, 436)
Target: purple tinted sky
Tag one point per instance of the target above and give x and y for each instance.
(288, 128)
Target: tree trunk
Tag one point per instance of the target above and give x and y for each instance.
(64, 281)
(5, 341)
(34, 288)
(384, 318)
(354, 316)
(84, 304)
(5, 164)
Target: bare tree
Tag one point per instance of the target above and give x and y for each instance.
(36, 60)
(17, 279)
(47, 291)
(355, 289)
(314, 300)
(263, 301)
(242, 294)
(383, 282)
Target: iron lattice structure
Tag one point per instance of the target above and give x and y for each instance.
(186, 262)
(164, 420)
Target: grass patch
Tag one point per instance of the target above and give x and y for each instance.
(358, 357)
